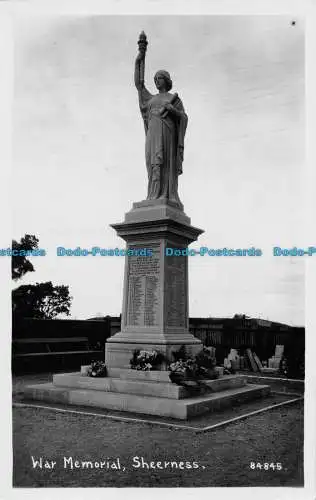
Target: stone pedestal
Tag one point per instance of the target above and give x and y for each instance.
(149, 393)
(155, 297)
(154, 317)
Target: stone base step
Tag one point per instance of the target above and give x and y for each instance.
(144, 386)
(148, 375)
(172, 408)
(269, 370)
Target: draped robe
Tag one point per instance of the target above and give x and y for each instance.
(164, 146)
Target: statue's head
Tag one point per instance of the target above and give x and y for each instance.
(162, 77)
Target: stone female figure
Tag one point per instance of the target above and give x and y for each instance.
(165, 125)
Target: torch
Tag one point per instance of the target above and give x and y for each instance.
(142, 43)
(142, 47)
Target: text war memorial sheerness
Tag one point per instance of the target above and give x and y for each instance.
(154, 365)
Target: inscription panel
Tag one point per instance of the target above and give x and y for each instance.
(176, 292)
(143, 288)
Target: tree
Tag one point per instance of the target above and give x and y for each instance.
(241, 316)
(20, 265)
(42, 301)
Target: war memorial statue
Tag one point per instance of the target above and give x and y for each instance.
(165, 125)
(155, 296)
(155, 315)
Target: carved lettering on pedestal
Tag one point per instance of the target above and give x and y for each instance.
(176, 299)
(143, 289)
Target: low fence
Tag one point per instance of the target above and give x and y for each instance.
(73, 341)
(262, 339)
(52, 345)
(95, 330)
(231, 333)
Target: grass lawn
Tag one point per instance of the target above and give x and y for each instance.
(223, 456)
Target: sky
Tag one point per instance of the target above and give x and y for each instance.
(78, 152)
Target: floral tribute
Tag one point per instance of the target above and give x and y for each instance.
(146, 360)
(190, 371)
(97, 369)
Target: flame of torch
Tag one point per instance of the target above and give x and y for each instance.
(142, 42)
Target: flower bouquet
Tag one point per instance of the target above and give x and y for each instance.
(182, 371)
(190, 371)
(146, 360)
(97, 369)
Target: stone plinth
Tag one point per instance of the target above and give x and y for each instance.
(154, 317)
(155, 297)
(149, 393)
(136, 382)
